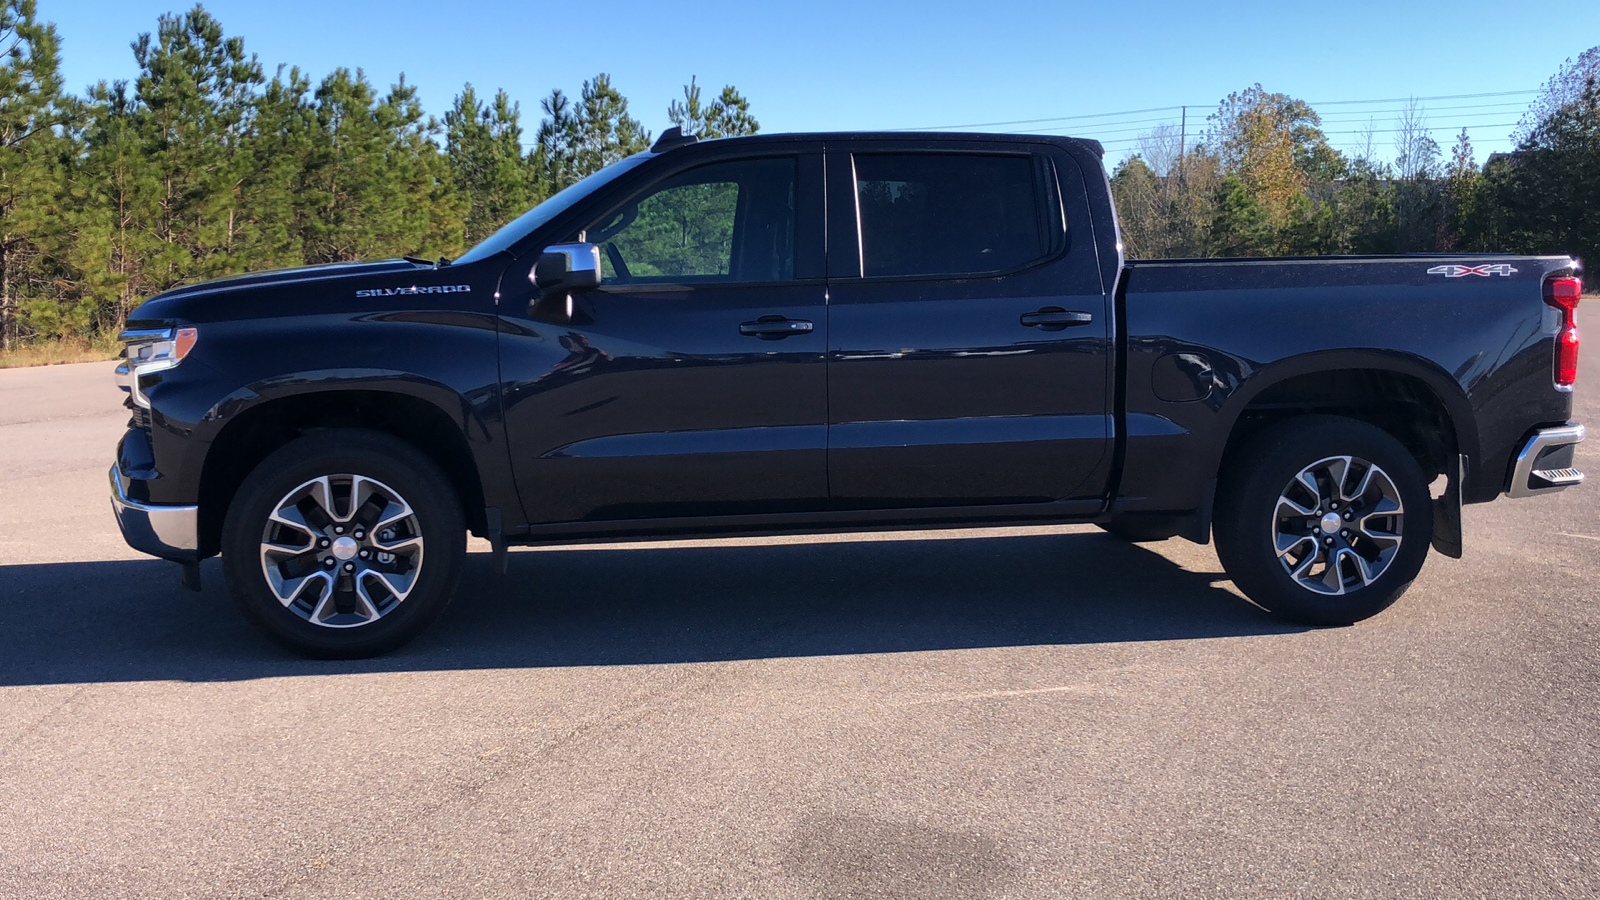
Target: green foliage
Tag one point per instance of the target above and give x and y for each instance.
(1274, 145)
(1545, 198)
(603, 131)
(484, 144)
(726, 116)
(682, 231)
(31, 150)
(1279, 188)
(204, 166)
(1243, 225)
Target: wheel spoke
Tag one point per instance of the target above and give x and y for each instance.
(1288, 542)
(1295, 509)
(398, 585)
(1361, 489)
(398, 545)
(1299, 572)
(320, 490)
(1308, 481)
(368, 608)
(1337, 467)
(287, 589)
(289, 514)
(1333, 576)
(396, 511)
(1362, 571)
(1387, 537)
(320, 612)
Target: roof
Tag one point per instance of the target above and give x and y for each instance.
(1088, 144)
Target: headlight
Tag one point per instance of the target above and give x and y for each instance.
(151, 350)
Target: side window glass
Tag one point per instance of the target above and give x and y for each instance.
(948, 214)
(724, 222)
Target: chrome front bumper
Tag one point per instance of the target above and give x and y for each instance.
(170, 532)
(1544, 465)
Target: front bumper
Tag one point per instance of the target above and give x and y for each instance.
(170, 532)
(1544, 464)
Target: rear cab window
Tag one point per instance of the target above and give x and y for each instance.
(955, 214)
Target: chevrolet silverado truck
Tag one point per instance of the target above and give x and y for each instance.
(830, 332)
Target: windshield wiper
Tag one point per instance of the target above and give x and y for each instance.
(439, 263)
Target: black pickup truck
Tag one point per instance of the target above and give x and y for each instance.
(827, 332)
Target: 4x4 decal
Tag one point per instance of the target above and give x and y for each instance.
(1458, 271)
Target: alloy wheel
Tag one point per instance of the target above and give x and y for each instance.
(342, 551)
(1337, 525)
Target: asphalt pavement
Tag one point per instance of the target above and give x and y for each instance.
(1035, 712)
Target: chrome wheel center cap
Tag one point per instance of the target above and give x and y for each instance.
(1330, 523)
(346, 547)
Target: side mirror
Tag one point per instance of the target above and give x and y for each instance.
(563, 269)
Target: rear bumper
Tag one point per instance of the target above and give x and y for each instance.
(1544, 464)
(170, 532)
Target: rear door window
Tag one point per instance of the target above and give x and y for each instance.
(949, 214)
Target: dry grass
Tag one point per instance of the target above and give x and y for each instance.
(55, 353)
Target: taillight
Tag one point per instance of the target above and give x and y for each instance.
(1563, 294)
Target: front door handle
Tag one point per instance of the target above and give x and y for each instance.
(1054, 318)
(771, 328)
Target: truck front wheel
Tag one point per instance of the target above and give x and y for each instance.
(1323, 520)
(343, 543)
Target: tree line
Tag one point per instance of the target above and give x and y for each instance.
(205, 165)
(1263, 180)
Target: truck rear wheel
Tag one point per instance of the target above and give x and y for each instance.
(1323, 520)
(344, 544)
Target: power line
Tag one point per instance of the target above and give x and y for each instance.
(1125, 112)
(1130, 112)
(1409, 99)
(1099, 128)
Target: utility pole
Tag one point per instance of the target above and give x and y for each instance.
(1183, 140)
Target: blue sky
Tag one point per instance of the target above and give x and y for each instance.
(830, 65)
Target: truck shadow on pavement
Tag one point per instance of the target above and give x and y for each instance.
(628, 605)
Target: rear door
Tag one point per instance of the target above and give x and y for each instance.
(969, 331)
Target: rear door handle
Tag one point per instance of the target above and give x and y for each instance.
(771, 328)
(1054, 318)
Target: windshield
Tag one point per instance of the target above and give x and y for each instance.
(523, 225)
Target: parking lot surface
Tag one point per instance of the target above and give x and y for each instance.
(1036, 712)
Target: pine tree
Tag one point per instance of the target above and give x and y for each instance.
(726, 116)
(1463, 184)
(30, 149)
(193, 105)
(1548, 194)
(376, 184)
(270, 233)
(118, 176)
(605, 132)
(554, 159)
(484, 145)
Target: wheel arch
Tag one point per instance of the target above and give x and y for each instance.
(251, 434)
(1409, 397)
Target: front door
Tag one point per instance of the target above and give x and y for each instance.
(693, 380)
(969, 332)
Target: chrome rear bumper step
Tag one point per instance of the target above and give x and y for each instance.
(1549, 446)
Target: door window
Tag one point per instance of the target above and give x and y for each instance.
(948, 214)
(724, 222)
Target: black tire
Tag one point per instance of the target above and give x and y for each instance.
(1250, 524)
(394, 465)
(1137, 532)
